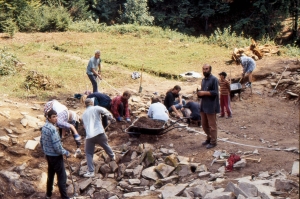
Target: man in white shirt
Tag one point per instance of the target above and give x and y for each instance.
(157, 110)
(95, 133)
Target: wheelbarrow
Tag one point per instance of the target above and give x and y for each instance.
(136, 131)
(235, 88)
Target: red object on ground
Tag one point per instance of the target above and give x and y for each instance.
(231, 160)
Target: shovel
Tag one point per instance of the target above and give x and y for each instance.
(274, 90)
(141, 88)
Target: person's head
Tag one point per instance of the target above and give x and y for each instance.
(222, 75)
(154, 100)
(97, 54)
(52, 116)
(176, 89)
(206, 69)
(88, 102)
(126, 95)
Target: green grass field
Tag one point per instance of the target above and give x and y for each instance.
(64, 57)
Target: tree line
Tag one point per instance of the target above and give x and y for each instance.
(255, 18)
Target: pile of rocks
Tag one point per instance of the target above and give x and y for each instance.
(153, 172)
(39, 81)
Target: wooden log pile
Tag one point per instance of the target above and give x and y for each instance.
(255, 51)
(39, 81)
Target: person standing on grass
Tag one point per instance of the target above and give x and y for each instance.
(51, 145)
(95, 133)
(119, 107)
(157, 110)
(248, 65)
(210, 106)
(92, 70)
(170, 100)
(66, 119)
(225, 95)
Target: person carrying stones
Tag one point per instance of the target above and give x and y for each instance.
(171, 103)
(93, 70)
(157, 110)
(224, 95)
(52, 148)
(66, 119)
(248, 65)
(119, 107)
(210, 106)
(95, 133)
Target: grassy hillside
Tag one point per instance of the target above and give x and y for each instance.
(64, 56)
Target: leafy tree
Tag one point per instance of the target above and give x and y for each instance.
(136, 11)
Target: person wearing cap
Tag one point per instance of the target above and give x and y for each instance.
(95, 133)
(92, 70)
(224, 95)
(119, 107)
(248, 65)
(209, 106)
(52, 148)
(66, 119)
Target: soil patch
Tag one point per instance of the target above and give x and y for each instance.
(145, 122)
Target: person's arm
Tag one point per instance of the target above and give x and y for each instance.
(114, 107)
(180, 99)
(127, 114)
(95, 73)
(104, 111)
(176, 111)
(214, 90)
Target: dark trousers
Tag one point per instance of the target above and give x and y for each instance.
(121, 110)
(225, 102)
(104, 121)
(78, 143)
(94, 82)
(56, 166)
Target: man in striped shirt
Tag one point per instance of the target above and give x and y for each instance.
(224, 95)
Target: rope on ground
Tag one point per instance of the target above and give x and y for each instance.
(221, 139)
(111, 86)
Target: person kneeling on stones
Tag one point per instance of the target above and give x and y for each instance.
(66, 119)
(119, 107)
(95, 133)
(51, 145)
(157, 110)
(171, 103)
(192, 111)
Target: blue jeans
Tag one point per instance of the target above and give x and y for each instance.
(177, 105)
(94, 82)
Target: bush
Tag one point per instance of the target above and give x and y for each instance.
(87, 26)
(53, 18)
(10, 27)
(28, 20)
(136, 11)
(7, 62)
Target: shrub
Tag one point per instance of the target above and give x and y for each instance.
(136, 11)
(7, 62)
(10, 27)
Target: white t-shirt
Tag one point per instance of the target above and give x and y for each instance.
(58, 107)
(158, 111)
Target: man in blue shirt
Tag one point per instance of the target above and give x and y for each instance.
(51, 145)
(248, 65)
(91, 70)
(210, 106)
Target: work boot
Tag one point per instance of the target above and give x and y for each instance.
(209, 146)
(206, 142)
